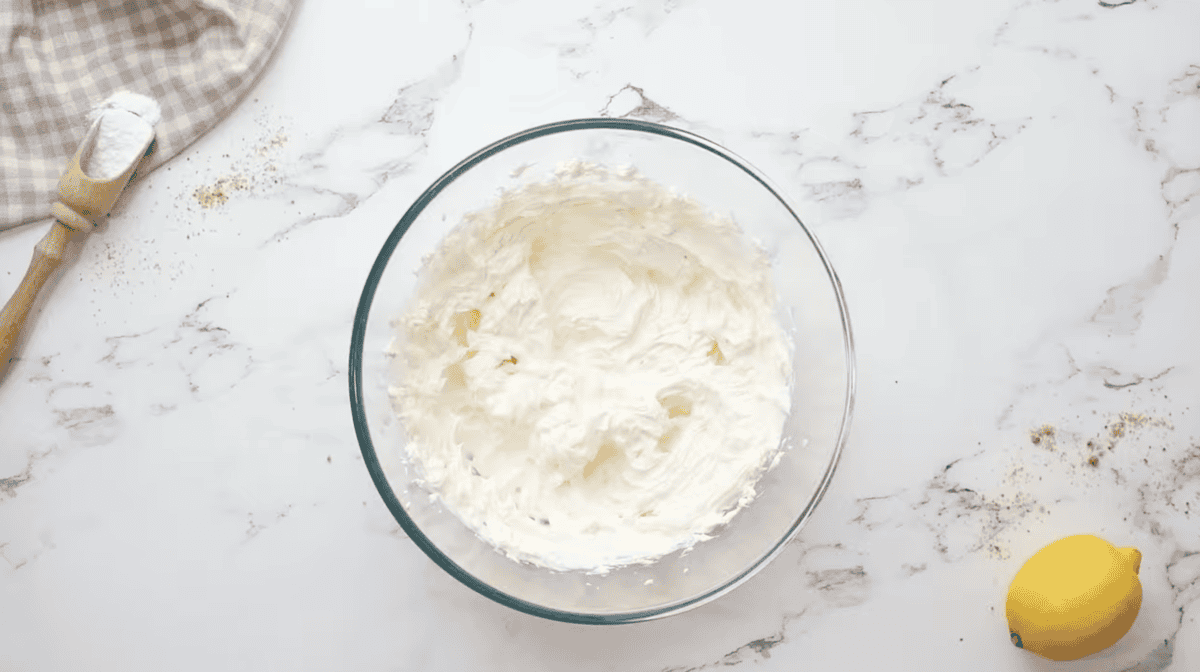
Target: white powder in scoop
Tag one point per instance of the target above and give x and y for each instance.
(594, 374)
(126, 125)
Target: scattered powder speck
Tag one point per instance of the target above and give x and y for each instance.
(118, 265)
(255, 172)
(217, 193)
(990, 501)
(109, 263)
(1124, 422)
(1043, 436)
(273, 143)
(998, 552)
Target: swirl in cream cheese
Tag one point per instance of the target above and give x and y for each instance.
(594, 373)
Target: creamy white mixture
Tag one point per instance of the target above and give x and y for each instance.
(594, 372)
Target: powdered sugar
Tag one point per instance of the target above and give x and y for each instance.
(142, 106)
(126, 128)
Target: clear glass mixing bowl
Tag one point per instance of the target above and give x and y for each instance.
(812, 308)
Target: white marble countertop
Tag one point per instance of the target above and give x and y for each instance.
(1010, 192)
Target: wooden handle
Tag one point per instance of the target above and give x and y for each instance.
(81, 201)
(47, 256)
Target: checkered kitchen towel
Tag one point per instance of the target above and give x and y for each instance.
(59, 58)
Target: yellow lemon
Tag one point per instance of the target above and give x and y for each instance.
(1074, 597)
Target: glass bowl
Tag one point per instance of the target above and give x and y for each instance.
(812, 308)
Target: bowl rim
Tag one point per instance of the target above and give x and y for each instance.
(358, 411)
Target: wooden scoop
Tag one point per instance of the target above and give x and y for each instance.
(82, 201)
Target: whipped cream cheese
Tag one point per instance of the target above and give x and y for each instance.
(593, 371)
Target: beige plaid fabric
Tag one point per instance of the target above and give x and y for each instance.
(59, 58)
